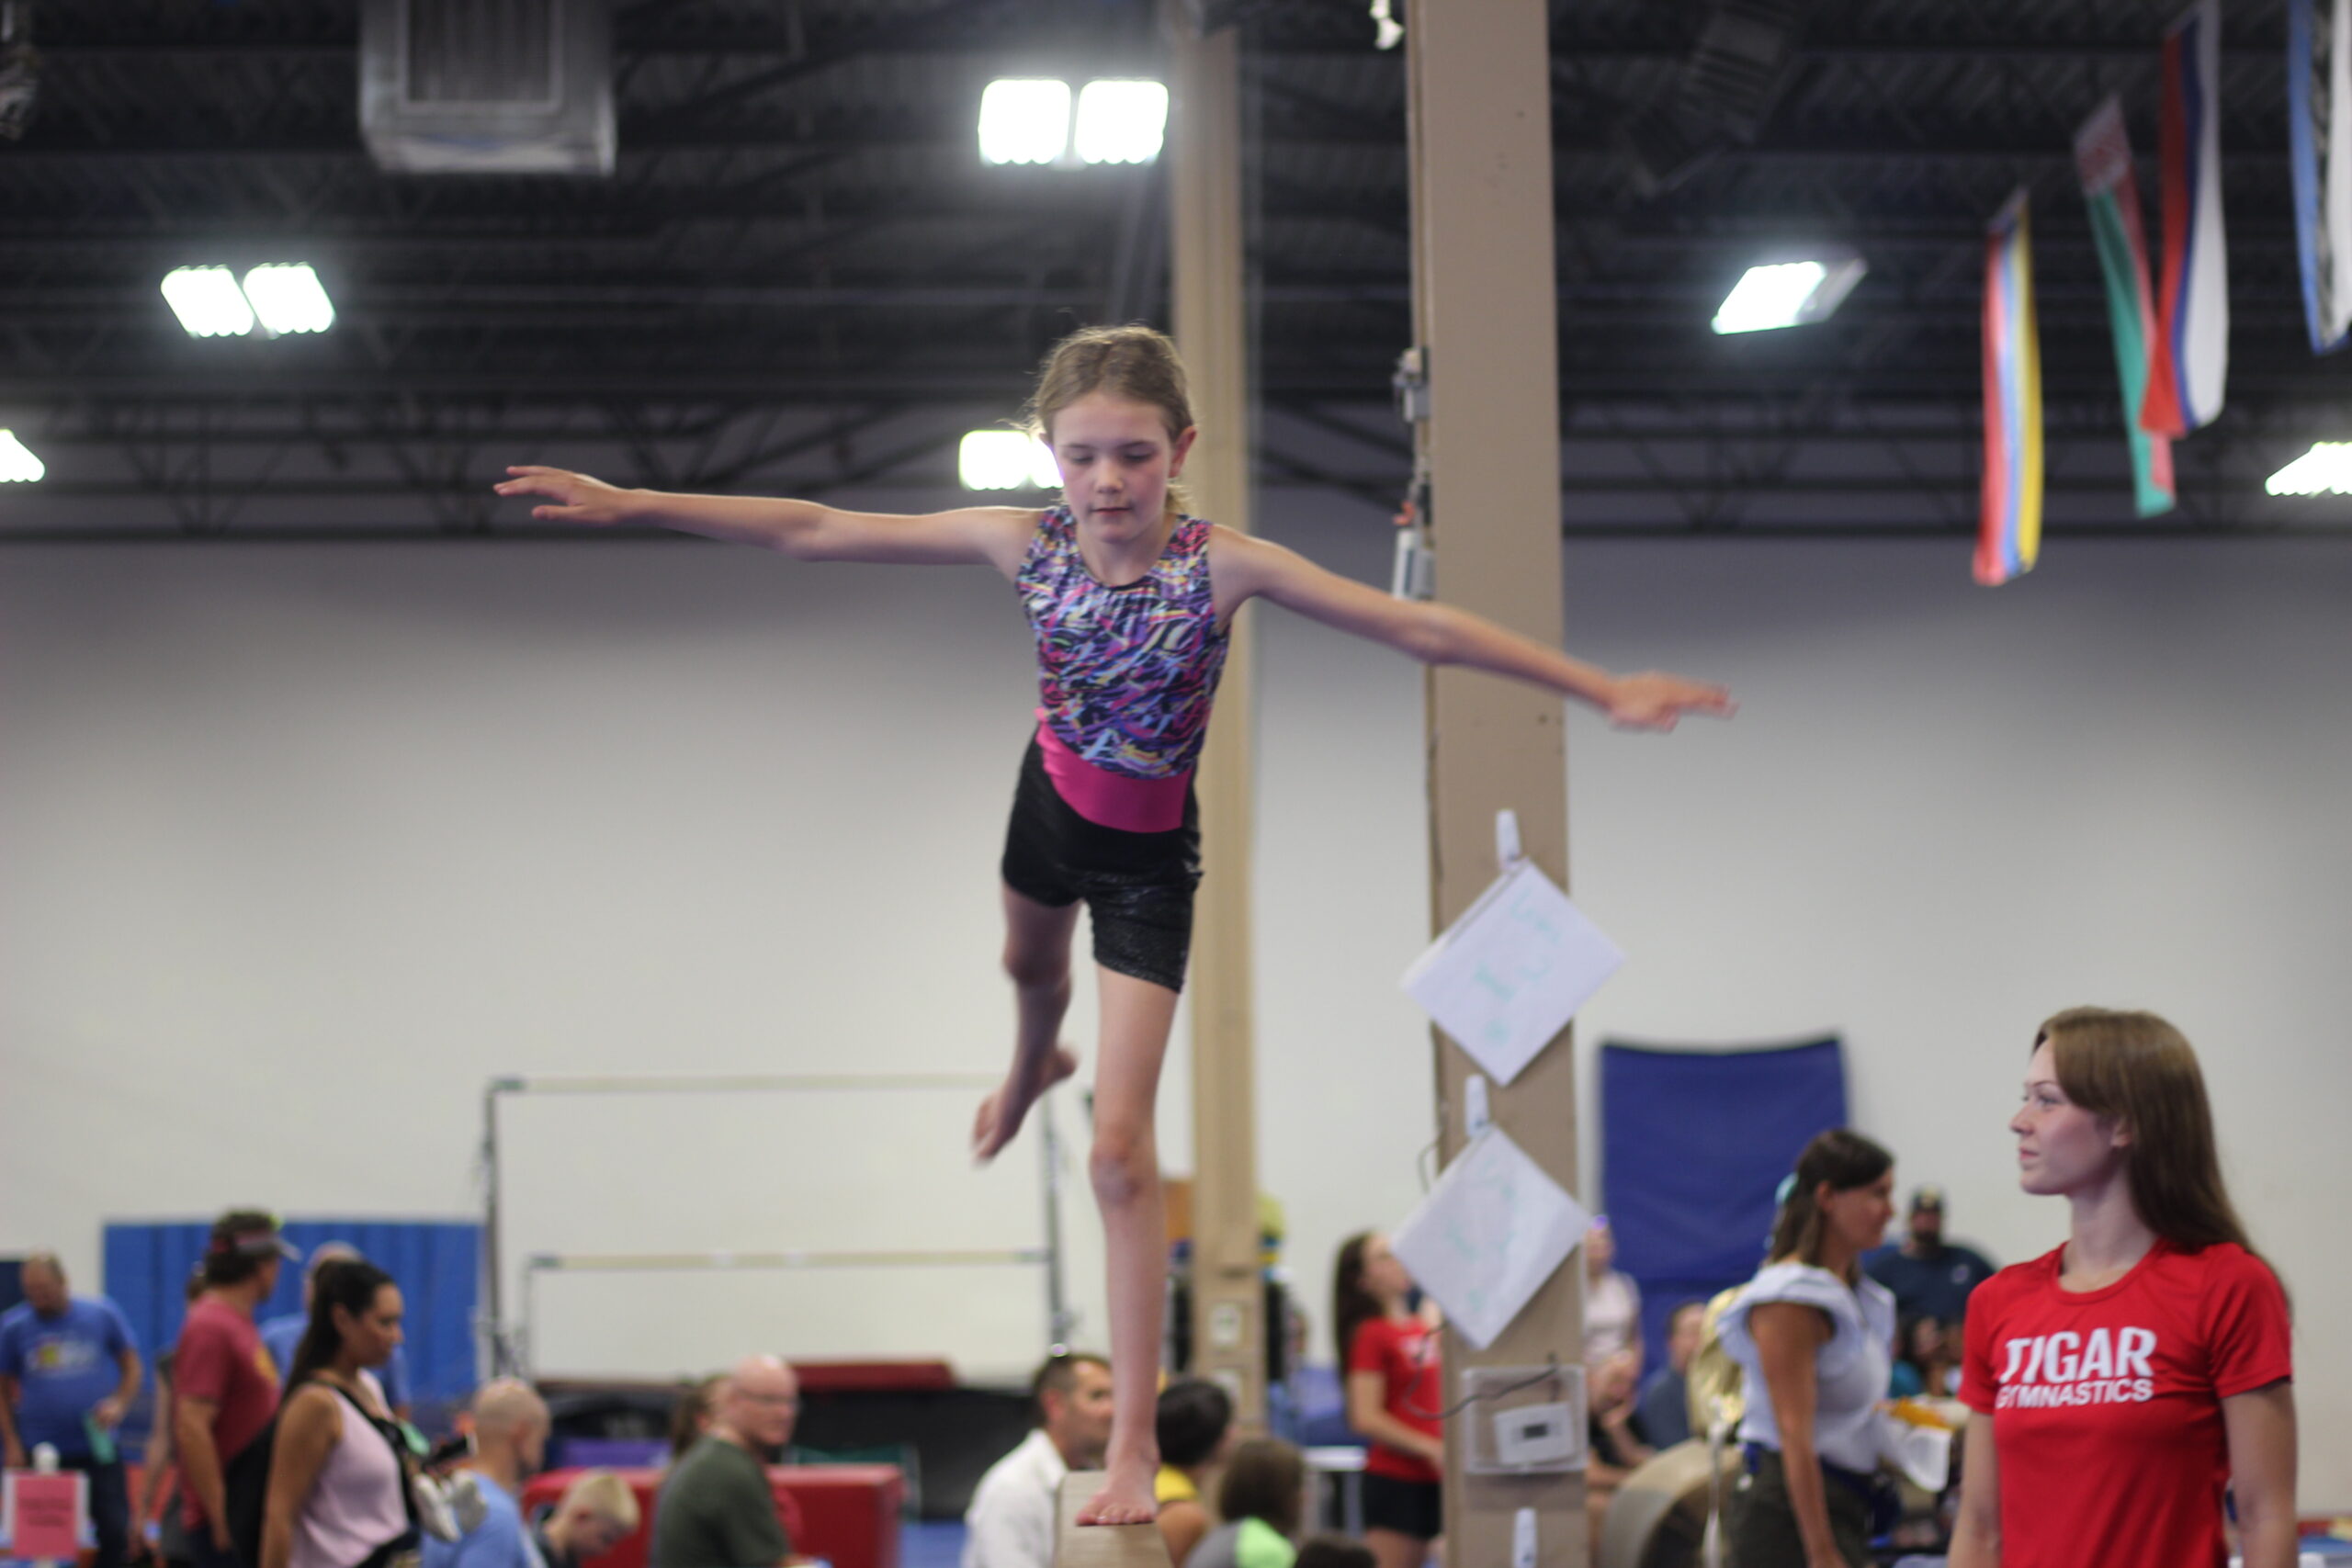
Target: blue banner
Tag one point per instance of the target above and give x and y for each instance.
(1693, 1144)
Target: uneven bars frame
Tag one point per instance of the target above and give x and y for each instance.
(540, 1263)
(497, 1339)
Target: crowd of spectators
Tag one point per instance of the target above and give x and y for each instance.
(286, 1443)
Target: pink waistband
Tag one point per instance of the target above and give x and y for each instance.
(1109, 799)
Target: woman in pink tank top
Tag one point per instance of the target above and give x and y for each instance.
(1130, 602)
(338, 1491)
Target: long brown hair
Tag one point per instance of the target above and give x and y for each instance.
(350, 1283)
(2140, 1070)
(1132, 362)
(1843, 1158)
(1352, 1306)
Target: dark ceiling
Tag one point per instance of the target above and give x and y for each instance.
(802, 279)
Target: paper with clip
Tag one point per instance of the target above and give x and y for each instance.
(1488, 1234)
(1506, 977)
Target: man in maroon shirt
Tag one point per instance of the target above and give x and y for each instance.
(226, 1384)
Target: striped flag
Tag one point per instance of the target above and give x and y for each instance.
(2319, 126)
(2193, 357)
(2009, 527)
(2103, 159)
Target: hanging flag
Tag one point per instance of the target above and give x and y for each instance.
(2103, 159)
(2009, 527)
(2192, 355)
(2319, 126)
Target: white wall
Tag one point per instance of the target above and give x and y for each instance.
(308, 841)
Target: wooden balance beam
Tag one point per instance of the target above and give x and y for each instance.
(1100, 1546)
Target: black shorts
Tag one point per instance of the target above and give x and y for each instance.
(1409, 1508)
(1138, 886)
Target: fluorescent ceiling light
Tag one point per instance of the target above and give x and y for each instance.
(1024, 120)
(2326, 469)
(207, 301)
(1006, 459)
(1121, 122)
(289, 298)
(18, 465)
(1788, 294)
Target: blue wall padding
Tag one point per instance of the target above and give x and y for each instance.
(436, 1264)
(1692, 1145)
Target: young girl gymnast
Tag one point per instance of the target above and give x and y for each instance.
(1131, 603)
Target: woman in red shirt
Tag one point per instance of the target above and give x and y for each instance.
(2120, 1384)
(1394, 1391)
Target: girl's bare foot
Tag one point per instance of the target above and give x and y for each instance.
(1002, 1112)
(1125, 1498)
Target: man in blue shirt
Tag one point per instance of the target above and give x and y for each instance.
(511, 1429)
(282, 1336)
(68, 1367)
(1929, 1276)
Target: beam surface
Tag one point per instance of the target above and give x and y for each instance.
(1099, 1546)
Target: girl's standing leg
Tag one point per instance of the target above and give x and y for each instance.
(1036, 957)
(1137, 1017)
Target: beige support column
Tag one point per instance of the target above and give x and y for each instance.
(1479, 125)
(1204, 151)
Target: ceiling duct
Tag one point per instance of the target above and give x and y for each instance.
(1721, 96)
(487, 87)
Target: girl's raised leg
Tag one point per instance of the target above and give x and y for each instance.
(1036, 957)
(1136, 1016)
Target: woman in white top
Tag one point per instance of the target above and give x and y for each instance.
(338, 1492)
(1815, 1337)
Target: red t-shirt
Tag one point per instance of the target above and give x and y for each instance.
(222, 1361)
(2106, 1404)
(1404, 1352)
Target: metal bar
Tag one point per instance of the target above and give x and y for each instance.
(507, 1354)
(735, 1083)
(689, 1263)
(491, 1330)
(1060, 1319)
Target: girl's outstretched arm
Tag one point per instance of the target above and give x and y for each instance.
(1246, 567)
(989, 536)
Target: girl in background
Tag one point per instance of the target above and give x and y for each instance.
(1394, 1389)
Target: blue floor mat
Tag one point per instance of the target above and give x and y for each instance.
(932, 1543)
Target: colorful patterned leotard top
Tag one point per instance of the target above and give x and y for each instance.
(1126, 675)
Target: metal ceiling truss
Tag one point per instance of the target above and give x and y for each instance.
(800, 278)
